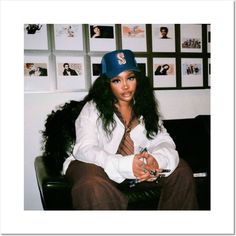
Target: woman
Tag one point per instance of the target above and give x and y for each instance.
(119, 136)
(96, 32)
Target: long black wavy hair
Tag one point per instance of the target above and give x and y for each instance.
(145, 103)
(59, 133)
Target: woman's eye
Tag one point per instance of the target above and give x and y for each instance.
(115, 81)
(131, 78)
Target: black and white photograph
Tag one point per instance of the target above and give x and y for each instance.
(163, 69)
(102, 37)
(35, 37)
(163, 37)
(191, 37)
(70, 73)
(192, 69)
(192, 72)
(35, 69)
(96, 67)
(164, 72)
(142, 64)
(36, 73)
(69, 69)
(101, 31)
(68, 37)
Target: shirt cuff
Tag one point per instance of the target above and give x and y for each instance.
(162, 162)
(126, 167)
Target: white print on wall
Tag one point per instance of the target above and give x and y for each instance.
(209, 72)
(96, 67)
(208, 38)
(68, 37)
(134, 37)
(164, 72)
(36, 73)
(142, 65)
(163, 38)
(70, 73)
(192, 72)
(191, 37)
(35, 37)
(102, 37)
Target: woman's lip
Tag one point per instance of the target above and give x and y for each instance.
(126, 94)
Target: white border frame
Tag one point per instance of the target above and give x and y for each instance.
(37, 41)
(164, 81)
(192, 79)
(144, 61)
(37, 83)
(14, 220)
(190, 31)
(94, 60)
(72, 43)
(163, 45)
(70, 83)
(137, 44)
(103, 44)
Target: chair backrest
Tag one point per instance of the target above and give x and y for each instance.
(59, 134)
(192, 139)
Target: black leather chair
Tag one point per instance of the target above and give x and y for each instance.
(192, 138)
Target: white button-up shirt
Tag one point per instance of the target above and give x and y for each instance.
(94, 146)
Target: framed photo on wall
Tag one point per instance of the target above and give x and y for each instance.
(35, 37)
(142, 64)
(36, 73)
(163, 38)
(192, 72)
(208, 38)
(70, 73)
(96, 67)
(191, 37)
(134, 37)
(68, 37)
(164, 72)
(209, 72)
(102, 37)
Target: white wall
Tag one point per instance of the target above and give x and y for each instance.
(173, 104)
(183, 103)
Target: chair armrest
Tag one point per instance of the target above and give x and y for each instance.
(54, 188)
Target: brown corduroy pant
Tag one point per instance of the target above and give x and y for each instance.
(93, 190)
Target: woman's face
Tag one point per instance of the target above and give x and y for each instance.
(96, 30)
(123, 86)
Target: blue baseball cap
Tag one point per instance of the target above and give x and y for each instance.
(115, 62)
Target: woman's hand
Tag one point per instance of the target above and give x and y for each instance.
(139, 167)
(151, 165)
(142, 164)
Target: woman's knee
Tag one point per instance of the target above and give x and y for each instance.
(90, 185)
(184, 168)
(97, 193)
(183, 173)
